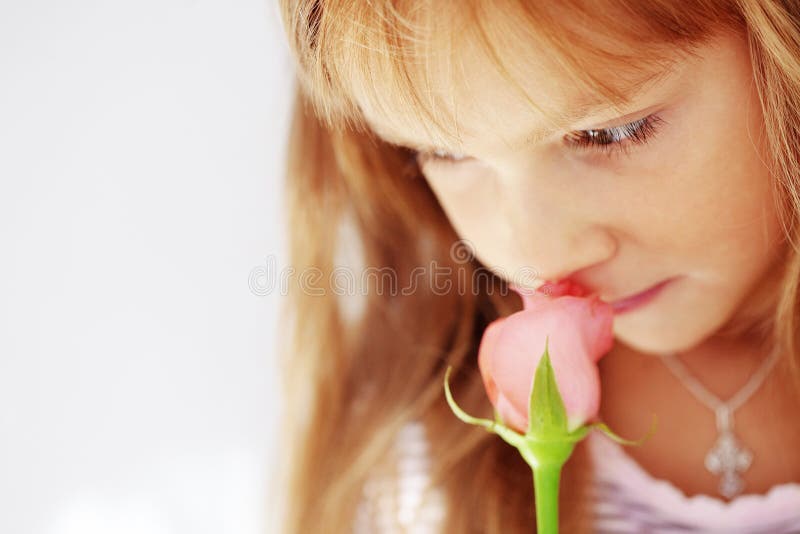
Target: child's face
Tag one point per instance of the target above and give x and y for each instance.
(692, 203)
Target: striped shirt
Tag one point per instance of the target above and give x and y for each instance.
(395, 501)
(625, 498)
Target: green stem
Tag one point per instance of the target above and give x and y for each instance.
(545, 485)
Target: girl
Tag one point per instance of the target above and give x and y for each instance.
(648, 151)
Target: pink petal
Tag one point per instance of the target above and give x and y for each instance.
(511, 415)
(485, 349)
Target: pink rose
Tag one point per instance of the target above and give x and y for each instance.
(579, 332)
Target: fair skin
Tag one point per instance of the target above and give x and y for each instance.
(693, 202)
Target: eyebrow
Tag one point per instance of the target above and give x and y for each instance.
(582, 110)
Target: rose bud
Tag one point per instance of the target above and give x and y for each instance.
(578, 328)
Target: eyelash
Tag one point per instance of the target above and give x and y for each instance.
(607, 141)
(614, 139)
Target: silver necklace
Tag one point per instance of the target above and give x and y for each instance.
(727, 457)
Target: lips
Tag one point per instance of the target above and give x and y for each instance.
(634, 301)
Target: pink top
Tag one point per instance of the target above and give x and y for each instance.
(628, 499)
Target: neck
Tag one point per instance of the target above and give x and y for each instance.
(635, 386)
(722, 365)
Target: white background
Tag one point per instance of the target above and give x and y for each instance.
(141, 146)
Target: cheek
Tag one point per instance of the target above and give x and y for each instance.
(478, 212)
(722, 217)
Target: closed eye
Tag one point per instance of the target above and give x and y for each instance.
(608, 140)
(603, 140)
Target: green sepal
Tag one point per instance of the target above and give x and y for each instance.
(610, 433)
(547, 416)
(579, 433)
(509, 436)
(497, 417)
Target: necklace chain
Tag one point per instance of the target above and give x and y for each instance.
(709, 399)
(728, 458)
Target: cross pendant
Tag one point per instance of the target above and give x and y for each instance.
(728, 457)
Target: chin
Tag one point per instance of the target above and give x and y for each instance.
(653, 334)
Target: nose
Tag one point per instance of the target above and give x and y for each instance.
(557, 232)
(555, 256)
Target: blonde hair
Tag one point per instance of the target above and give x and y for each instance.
(356, 370)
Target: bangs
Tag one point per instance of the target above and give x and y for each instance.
(399, 58)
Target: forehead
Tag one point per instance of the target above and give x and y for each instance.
(467, 89)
